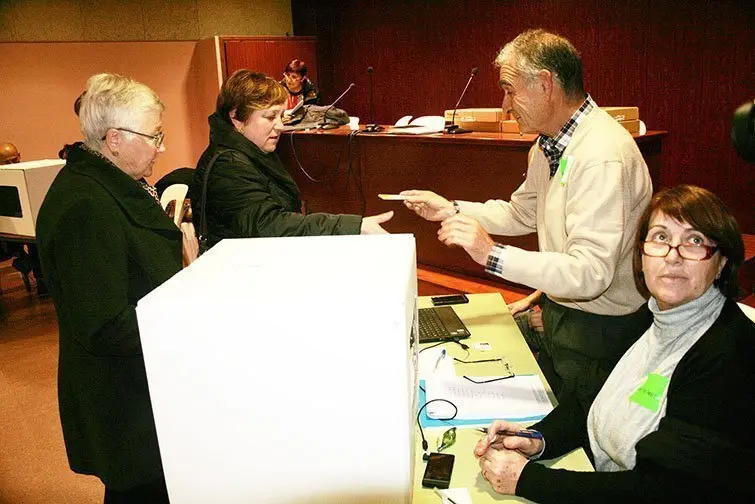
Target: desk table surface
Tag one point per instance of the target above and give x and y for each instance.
(488, 319)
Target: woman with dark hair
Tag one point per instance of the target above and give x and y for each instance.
(673, 421)
(249, 192)
(298, 85)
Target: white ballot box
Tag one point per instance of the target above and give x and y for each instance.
(283, 370)
(23, 187)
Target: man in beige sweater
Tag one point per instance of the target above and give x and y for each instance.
(586, 186)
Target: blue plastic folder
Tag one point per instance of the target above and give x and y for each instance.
(426, 421)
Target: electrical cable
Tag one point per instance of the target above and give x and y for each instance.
(324, 179)
(425, 456)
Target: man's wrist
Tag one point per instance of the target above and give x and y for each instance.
(496, 258)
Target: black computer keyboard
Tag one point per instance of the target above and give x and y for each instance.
(440, 323)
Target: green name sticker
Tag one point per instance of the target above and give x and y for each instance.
(564, 164)
(649, 395)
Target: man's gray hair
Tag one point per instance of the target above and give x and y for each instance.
(115, 101)
(535, 50)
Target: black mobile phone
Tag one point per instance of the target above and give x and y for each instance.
(449, 300)
(438, 470)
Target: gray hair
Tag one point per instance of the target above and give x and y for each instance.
(114, 101)
(535, 50)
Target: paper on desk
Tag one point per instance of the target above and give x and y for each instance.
(517, 397)
(458, 495)
(427, 364)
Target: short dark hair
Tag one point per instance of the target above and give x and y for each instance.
(296, 66)
(535, 50)
(706, 213)
(246, 91)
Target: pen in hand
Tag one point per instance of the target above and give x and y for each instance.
(526, 433)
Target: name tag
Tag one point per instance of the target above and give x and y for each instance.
(651, 392)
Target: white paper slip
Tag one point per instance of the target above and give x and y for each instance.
(392, 197)
(520, 397)
(434, 363)
(456, 495)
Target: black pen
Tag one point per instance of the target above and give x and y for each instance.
(527, 433)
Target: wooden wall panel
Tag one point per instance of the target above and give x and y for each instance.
(270, 55)
(687, 65)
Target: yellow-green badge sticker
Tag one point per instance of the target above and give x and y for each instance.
(649, 395)
(564, 164)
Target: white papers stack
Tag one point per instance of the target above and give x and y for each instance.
(520, 397)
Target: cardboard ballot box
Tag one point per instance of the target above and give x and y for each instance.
(628, 117)
(477, 119)
(23, 187)
(284, 370)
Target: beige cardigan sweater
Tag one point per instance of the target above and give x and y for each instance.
(585, 217)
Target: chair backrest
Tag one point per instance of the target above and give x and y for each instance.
(177, 194)
(748, 310)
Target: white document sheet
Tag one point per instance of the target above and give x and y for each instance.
(434, 363)
(512, 398)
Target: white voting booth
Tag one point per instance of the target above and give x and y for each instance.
(23, 187)
(283, 370)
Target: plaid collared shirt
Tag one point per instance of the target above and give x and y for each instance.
(554, 147)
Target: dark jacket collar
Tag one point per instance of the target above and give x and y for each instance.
(224, 135)
(129, 194)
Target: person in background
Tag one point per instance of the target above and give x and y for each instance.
(63, 153)
(249, 192)
(586, 185)
(25, 261)
(105, 242)
(9, 154)
(298, 85)
(673, 421)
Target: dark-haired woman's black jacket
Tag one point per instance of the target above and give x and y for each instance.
(250, 194)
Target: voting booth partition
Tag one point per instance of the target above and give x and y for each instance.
(284, 370)
(23, 187)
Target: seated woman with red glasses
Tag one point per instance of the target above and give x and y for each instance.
(298, 85)
(673, 421)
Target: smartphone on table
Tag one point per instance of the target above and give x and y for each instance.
(438, 471)
(451, 299)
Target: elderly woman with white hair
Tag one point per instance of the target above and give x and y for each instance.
(104, 243)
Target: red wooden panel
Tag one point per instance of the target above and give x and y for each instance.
(270, 55)
(687, 65)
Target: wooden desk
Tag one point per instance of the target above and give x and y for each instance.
(488, 319)
(474, 167)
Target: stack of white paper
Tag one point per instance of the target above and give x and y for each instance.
(518, 397)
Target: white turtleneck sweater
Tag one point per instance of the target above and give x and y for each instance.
(615, 423)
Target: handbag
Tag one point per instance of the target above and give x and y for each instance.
(202, 238)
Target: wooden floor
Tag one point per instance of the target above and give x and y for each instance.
(33, 464)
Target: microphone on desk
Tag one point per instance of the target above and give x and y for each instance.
(325, 124)
(371, 127)
(453, 128)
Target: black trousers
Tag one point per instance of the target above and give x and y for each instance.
(578, 350)
(151, 493)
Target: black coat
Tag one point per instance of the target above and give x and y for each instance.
(250, 194)
(104, 243)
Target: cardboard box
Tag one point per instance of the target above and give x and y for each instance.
(510, 126)
(631, 126)
(23, 187)
(623, 113)
(477, 119)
